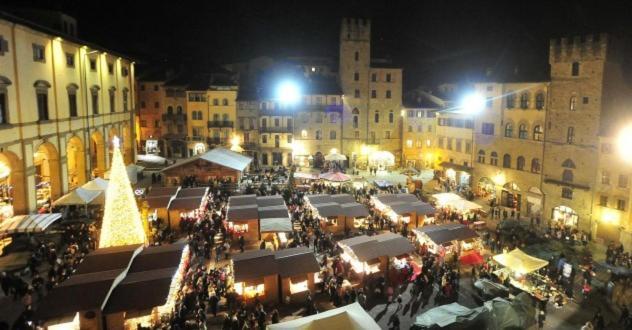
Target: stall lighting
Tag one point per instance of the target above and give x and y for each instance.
(623, 143)
(72, 325)
(122, 224)
(5, 170)
(176, 283)
(298, 287)
(249, 291)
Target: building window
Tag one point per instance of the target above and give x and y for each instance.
(623, 181)
(391, 116)
(511, 100)
(355, 121)
(539, 101)
(440, 144)
(621, 205)
(39, 53)
(4, 46)
(481, 156)
(585, 100)
(524, 100)
(289, 138)
(304, 134)
(142, 104)
(356, 94)
(509, 130)
(373, 94)
(332, 118)
(468, 147)
(356, 134)
(264, 139)
(156, 105)
(225, 102)
(332, 135)
(319, 118)
(387, 134)
(112, 99)
(94, 97)
(142, 87)
(277, 122)
(410, 128)
(459, 145)
(125, 98)
(110, 68)
(124, 71)
(535, 165)
(356, 56)
(3, 105)
(356, 76)
(388, 77)
(603, 201)
(93, 66)
(520, 162)
(567, 193)
(373, 77)
(449, 143)
(70, 60)
(538, 133)
(507, 161)
(376, 117)
(572, 103)
(522, 131)
(264, 158)
(493, 160)
(567, 176)
(488, 129)
(570, 135)
(409, 143)
(568, 164)
(420, 128)
(575, 69)
(72, 100)
(42, 105)
(605, 177)
(319, 135)
(169, 109)
(388, 94)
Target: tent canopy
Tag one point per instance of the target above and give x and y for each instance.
(519, 261)
(80, 196)
(96, 184)
(32, 223)
(446, 315)
(349, 317)
(336, 177)
(382, 158)
(336, 157)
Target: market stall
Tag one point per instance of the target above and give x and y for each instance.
(156, 203)
(520, 271)
(376, 254)
(457, 203)
(404, 209)
(337, 213)
(448, 238)
(271, 276)
(256, 218)
(189, 203)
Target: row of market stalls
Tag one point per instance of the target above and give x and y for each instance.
(404, 209)
(338, 213)
(174, 203)
(259, 218)
(376, 254)
(273, 275)
(124, 287)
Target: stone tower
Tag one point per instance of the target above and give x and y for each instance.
(587, 91)
(354, 67)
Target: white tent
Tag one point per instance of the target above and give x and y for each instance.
(337, 157)
(348, 317)
(464, 205)
(96, 184)
(80, 196)
(444, 198)
(132, 172)
(31, 223)
(384, 158)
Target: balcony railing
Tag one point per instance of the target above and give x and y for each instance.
(249, 145)
(221, 123)
(215, 141)
(279, 129)
(179, 117)
(321, 108)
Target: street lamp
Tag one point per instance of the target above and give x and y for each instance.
(624, 143)
(288, 93)
(472, 103)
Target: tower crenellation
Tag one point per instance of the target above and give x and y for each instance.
(580, 48)
(357, 29)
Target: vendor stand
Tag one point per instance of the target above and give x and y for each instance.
(338, 213)
(448, 238)
(520, 270)
(248, 215)
(189, 203)
(404, 209)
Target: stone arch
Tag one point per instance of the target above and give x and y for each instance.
(47, 171)
(76, 162)
(12, 182)
(97, 154)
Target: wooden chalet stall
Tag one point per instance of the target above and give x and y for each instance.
(374, 254)
(404, 209)
(337, 213)
(257, 218)
(188, 202)
(448, 238)
(271, 276)
(117, 288)
(156, 203)
(218, 163)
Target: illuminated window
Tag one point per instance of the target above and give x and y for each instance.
(572, 103)
(508, 130)
(481, 156)
(524, 100)
(409, 143)
(304, 134)
(538, 133)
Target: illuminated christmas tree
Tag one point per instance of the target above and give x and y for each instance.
(122, 224)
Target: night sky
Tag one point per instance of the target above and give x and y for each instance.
(433, 41)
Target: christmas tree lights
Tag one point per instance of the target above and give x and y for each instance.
(122, 224)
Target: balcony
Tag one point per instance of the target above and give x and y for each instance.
(321, 108)
(279, 129)
(216, 141)
(179, 118)
(220, 123)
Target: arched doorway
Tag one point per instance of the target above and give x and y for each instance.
(12, 190)
(97, 154)
(564, 216)
(127, 144)
(511, 196)
(47, 174)
(76, 162)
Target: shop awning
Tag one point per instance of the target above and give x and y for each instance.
(96, 184)
(382, 183)
(393, 198)
(335, 177)
(220, 156)
(443, 198)
(349, 317)
(275, 225)
(275, 211)
(33, 223)
(80, 196)
(296, 261)
(366, 248)
(319, 199)
(519, 261)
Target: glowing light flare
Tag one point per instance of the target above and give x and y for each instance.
(472, 103)
(610, 217)
(5, 170)
(499, 179)
(288, 92)
(624, 143)
(122, 224)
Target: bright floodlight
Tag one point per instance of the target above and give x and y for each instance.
(288, 92)
(473, 103)
(624, 143)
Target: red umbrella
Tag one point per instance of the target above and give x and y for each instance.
(336, 177)
(473, 258)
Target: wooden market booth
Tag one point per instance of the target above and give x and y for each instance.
(256, 218)
(188, 202)
(449, 237)
(338, 212)
(404, 208)
(218, 163)
(156, 202)
(274, 275)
